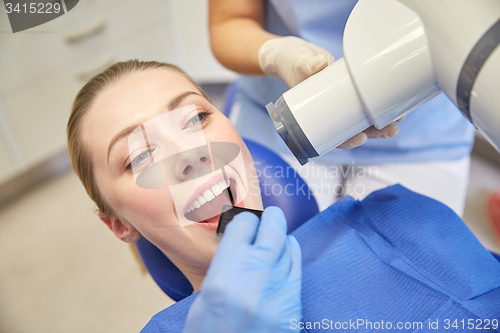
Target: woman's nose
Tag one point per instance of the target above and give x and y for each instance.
(193, 163)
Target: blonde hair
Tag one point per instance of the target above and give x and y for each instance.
(81, 156)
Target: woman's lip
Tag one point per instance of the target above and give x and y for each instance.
(215, 179)
(210, 226)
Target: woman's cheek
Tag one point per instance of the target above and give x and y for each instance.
(220, 129)
(140, 205)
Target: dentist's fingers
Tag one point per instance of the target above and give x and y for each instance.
(238, 235)
(321, 51)
(313, 64)
(372, 132)
(400, 119)
(389, 131)
(289, 264)
(288, 271)
(296, 257)
(271, 237)
(241, 230)
(281, 264)
(310, 62)
(353, 142)
(292, 58)
(317, 63)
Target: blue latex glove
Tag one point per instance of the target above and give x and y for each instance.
(251, 286)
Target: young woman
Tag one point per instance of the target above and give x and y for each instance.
(105, 112)
(396, 257)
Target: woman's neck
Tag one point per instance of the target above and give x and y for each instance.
(195, 275)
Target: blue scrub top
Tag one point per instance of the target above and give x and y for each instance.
(396, 257)
(436, 131)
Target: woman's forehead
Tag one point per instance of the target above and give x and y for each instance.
(140, 90)
(134, 98)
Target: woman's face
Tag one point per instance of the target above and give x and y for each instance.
(158, 120)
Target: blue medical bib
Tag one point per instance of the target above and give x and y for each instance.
(397, 257)
(436, 131)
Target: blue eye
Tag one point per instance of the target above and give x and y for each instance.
(141, 159)
(201, 117)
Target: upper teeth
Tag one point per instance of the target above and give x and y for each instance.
(209, 194)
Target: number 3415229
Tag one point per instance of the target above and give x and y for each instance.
(33, 8)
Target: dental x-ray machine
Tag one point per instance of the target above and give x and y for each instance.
(398, 54)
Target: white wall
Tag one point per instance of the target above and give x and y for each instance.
(42, 68)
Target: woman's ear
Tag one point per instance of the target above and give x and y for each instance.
(122, 229)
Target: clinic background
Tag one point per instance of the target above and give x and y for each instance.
(61, 270)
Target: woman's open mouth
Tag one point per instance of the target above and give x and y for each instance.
(207, 207)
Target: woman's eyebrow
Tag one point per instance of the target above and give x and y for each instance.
(172, 105)
(124, 132)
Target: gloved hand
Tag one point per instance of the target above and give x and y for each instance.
(253, 283)
(294, 60)
(372, 132)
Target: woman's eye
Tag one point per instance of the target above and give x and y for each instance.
(200, 118)
(142, 159)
